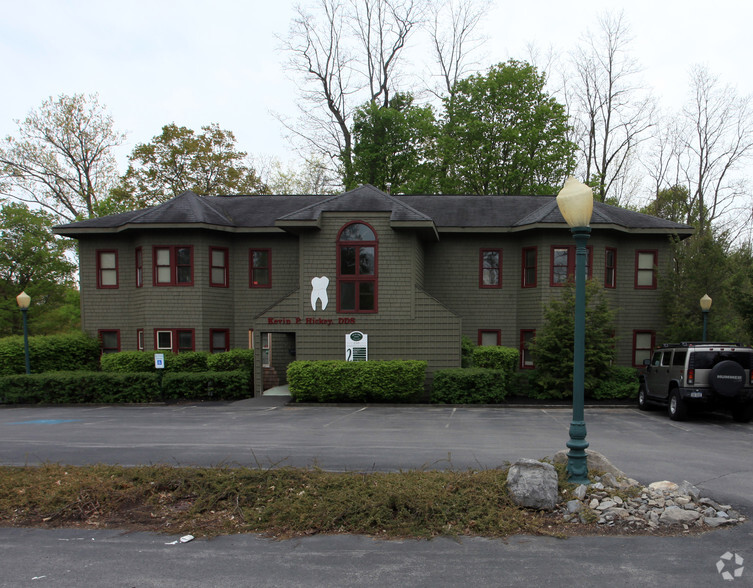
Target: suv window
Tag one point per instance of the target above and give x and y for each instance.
(679, 358)
(705, 360)
(665, 358)
(656, 359)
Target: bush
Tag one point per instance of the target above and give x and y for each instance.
(356, 381)
(620, 382)
(206, 386)
(188, 361)
(496, 358)
(469, 386)
(49, 353)
(128, 362)
(229, 361)
(466, 352)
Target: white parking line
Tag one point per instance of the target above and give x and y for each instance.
(345, 416)
(452, 414)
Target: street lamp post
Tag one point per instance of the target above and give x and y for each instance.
(575, 202)
(23, 300)
(705, 307)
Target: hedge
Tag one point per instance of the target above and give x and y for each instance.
(469, 386)
(187, 361)
(356, 381)
(49, 353)
(496, 358)
(114, 387)
(618, 383)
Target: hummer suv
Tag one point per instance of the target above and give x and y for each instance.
(707, 376)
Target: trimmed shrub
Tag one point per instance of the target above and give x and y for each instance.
(128, 362)
(469, 386)
(206, 386)
(187, 361)
(466, 352)
(229, 361)
(619, 382)
(49, 353)
(496, 358)
(356, 381)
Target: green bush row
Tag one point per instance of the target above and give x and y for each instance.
(469, 386)
(49, 353)
(113, 387)
(356, 381)
(187, 361)
(618, 383)
(496, 358)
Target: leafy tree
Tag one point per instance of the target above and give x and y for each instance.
(674, 204)
(33, 260)
(179, 159)
(61, 158)
(552, 348)
(394, 146)
(503, 134)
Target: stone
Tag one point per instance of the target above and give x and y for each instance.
(606, 504)
(717, 521)
(687, 489)
(580, 492)
(595, 462)
(574, 506)
(610, 480)
(533, 484)
(593, 504)
(663, 486)
(674, 515)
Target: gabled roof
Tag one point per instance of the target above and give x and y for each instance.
(430, 214)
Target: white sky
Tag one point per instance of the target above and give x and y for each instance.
(195, 63)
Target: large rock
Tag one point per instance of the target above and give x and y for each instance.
(674, 515)
(533, 484)
(595, 461)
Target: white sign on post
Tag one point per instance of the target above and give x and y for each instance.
(356, 346)
(159, 361)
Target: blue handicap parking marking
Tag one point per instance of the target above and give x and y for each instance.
(45, 422)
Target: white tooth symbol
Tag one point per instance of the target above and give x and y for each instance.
(319, 291)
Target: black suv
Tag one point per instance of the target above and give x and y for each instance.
(707, 376)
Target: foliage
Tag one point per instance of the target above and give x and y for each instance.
(189, 361)
(179, 159)
(552, 348)
(674, 204)
(62, 157)
(618, 382)
(503, 134)
(129, 362)
(469, 386)
(231, 360)
(394, 146)
(466, 351)
(496, 357)
(193, 361)
(206, 385)
(49, 353)
(356, 381)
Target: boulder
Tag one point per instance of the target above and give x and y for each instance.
(533, 484)
(674, 515)
(596, 462)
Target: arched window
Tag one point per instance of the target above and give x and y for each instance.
(357, 269)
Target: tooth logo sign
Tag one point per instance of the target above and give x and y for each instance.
(319, 291)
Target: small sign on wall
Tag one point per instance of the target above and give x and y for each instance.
(356, 346)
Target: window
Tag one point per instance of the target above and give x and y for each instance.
(357, 269)
(643, 344)
(529, 270)
(219, 340)
(563, 264)
(260, 268)
(173, 265)
(140, 339)
(219, 271)
(175, 340)
(645, 269)
(526, 358)
(490, 268)
(109, 341)
(266, 348)
(139, 267)
(490, 337)
(610, 267)
(107, 269)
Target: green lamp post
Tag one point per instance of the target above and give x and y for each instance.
(576, 202)
(24, 300)
(705, 307)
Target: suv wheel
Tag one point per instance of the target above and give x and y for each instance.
(642, 399)
(727, 378)
(743, 413)
(677, 408)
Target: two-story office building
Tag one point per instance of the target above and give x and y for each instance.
(294, 276)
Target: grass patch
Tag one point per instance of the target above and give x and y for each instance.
(279, 502)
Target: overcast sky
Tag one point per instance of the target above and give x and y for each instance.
(194, 63)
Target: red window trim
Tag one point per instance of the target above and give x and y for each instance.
(173, 265)
(174, 339)
(100, 285)
(570, 263)
(637, 332)
(524, 267)
(101, 342)
(612, 269)
(481, 268)
(521, 349)
(139, 267)
(655, 253)
(251, 268)
(357, 278)
(211, 339)
(498, 332)
(225, 267)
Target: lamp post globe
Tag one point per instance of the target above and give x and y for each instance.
(575, 202)
(705, 303)
(24, 300)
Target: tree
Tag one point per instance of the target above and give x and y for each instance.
(33, 260)
(62, 157)
(394, 146)
(179, 159)
(503, 134)
(552, 348)
(673, 204)
(612, 115)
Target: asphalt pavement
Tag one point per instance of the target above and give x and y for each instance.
(712, 452)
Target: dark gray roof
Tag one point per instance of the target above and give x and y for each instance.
(437, 212)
